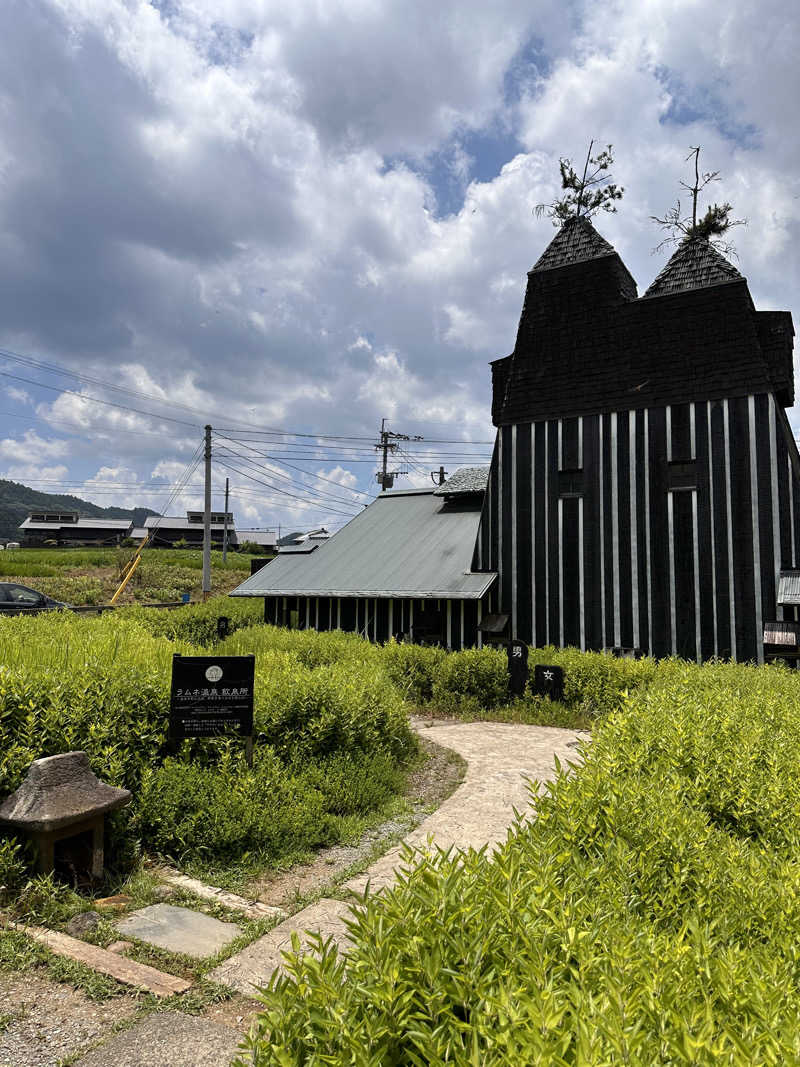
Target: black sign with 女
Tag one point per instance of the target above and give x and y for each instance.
(212, 696)
(517, 667)
(548, 681)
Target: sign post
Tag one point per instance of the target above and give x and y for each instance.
(517, 668)
(548, 681)
(212, 696)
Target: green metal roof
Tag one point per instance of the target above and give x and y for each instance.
(410, 543)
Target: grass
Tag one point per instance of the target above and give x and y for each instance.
(88, 576)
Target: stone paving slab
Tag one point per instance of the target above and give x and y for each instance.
(179, 929)
(253, 909)
(167, 1039)
(254, 965)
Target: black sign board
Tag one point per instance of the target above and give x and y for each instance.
(548, 681)
(212, 696)
(517, 667)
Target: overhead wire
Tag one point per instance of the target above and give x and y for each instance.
(277, 474)
(282, 492)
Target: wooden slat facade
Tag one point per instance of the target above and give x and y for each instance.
(451, 623)
(662, 528)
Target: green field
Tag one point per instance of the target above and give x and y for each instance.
(82, 576)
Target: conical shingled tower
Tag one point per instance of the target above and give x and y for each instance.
(644, 489)
(694, 265)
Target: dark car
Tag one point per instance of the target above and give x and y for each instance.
(19, 600)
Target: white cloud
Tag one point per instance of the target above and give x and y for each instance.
(20, 396)
(244, 221)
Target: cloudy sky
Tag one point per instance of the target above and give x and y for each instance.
(301, 218)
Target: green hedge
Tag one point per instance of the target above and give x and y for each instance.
(266, 815)
(650, 913)
(101, 684)
(195, 623)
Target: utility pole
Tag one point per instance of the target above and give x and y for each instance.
(207, 520)
(385, 478)
(441, 474)
(225, 524)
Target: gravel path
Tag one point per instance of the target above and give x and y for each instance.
(42, 1022)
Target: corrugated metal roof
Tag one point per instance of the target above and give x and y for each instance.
(405, 544)
(170, 522)
(693, 266)
(782, 633)
(789, 587)
(465, 480)
(81, 524)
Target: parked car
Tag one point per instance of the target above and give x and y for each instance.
(20, 600)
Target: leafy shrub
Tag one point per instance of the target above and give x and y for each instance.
(413, 669)
(101, 684)
(308, 647)
(649, 914)
(596, 682)
(78, 590)
(308, 713)
(195, 623)
(475, 678)
(12, 868)
(272, 812)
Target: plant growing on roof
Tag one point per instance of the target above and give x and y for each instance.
(584, 196)
(711, 227)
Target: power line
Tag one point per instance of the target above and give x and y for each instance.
(320, 494)
(279, 491)
(97, 400)
(308, 474)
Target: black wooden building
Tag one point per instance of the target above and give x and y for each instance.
(644, 490)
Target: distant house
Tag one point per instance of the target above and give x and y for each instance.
(266, 539)
(401, 566)
(69, 528)
(165, 530)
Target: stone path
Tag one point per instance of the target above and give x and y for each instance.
(500, 757)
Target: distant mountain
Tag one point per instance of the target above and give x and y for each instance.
(16, 501)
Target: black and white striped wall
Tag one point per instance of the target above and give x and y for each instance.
(662, 528)
(452, 623)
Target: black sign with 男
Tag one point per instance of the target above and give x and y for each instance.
(212, 696)
(517, 667)
(548, 681)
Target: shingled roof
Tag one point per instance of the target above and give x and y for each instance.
(695, 265)
(586, 344)
(465, 481)
(576, 241)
